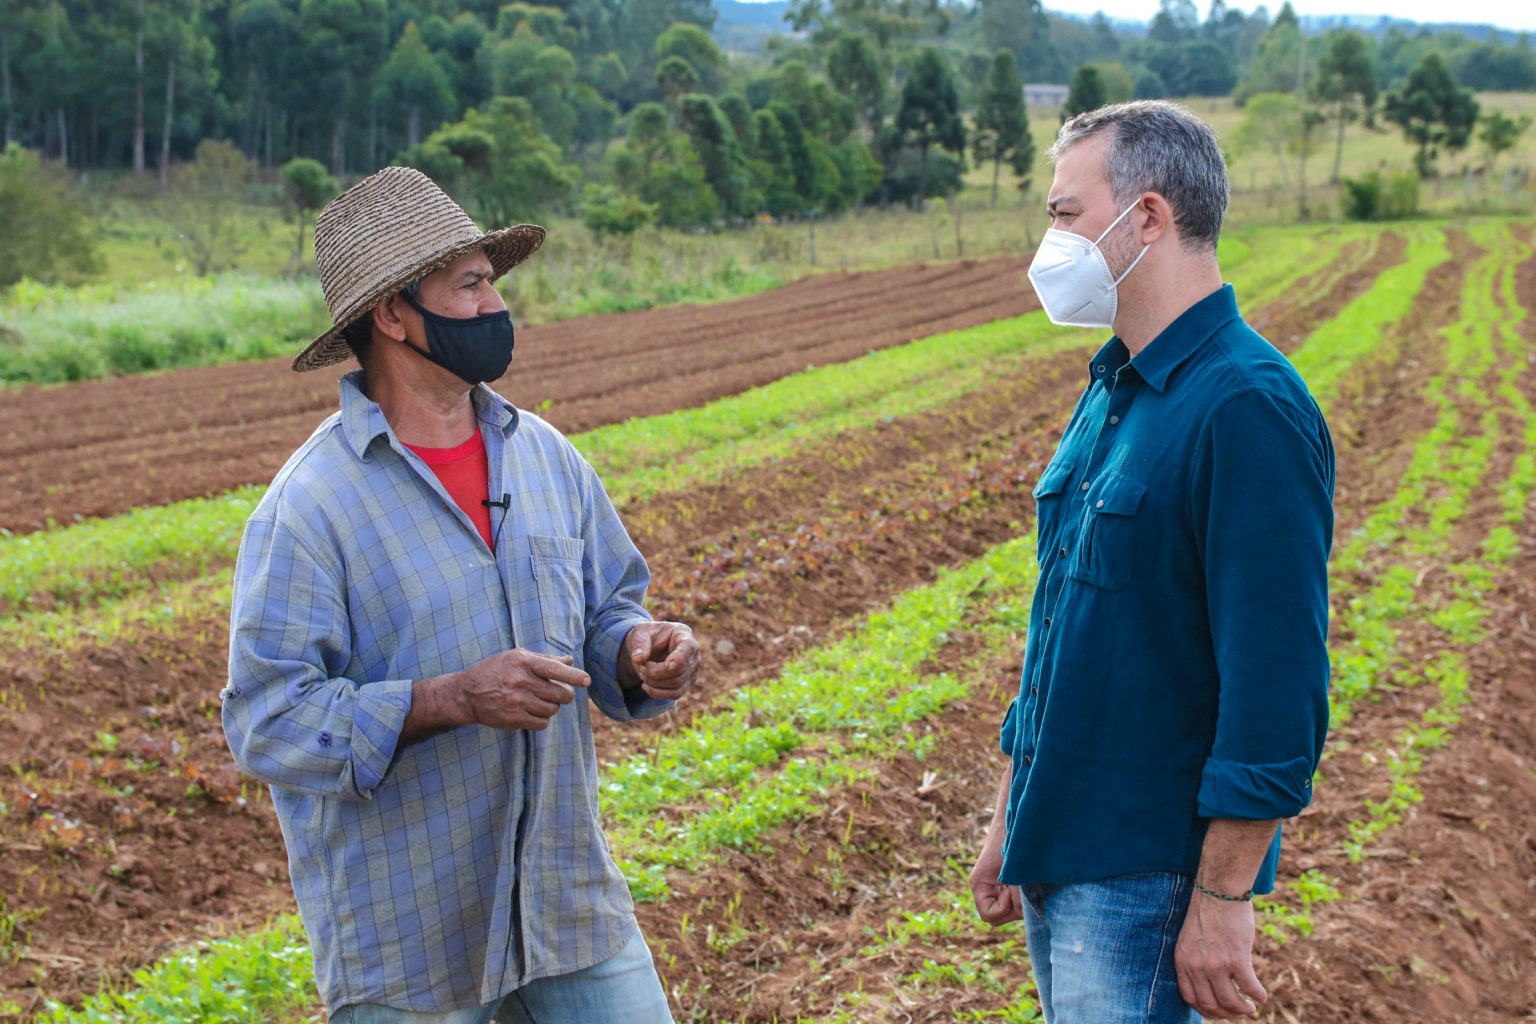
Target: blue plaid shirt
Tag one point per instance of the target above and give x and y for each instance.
(444, 874)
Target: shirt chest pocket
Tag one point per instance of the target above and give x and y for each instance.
(556, 564)
(1106, 546)
(1049, 520)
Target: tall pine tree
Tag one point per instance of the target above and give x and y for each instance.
(1002, 127)
(930, 112)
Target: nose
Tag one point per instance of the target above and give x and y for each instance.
(490, 299)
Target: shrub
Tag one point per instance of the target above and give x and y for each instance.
(1399, 196)
(1362, 196)
(1373, 197)
(610, 212)
(42, 223)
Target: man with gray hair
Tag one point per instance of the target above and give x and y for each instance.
(1174, 701)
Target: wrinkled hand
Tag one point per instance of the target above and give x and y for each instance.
(996, 902)
(518, 689)
(1214, 959)
(660, 657)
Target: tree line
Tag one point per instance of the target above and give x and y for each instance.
(628, 110)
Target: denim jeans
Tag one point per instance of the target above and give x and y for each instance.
(624, 988)
(1102, 952)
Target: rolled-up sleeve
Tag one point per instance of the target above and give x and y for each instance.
(290, 718)
(1010, 727)
(615, 577)
(1263, 512)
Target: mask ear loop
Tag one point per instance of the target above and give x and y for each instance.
(1139, 255)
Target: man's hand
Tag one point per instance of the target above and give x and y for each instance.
(518, 689)
(1214, 958)
(660, 657)
(996, 902)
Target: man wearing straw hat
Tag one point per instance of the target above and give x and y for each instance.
(427, 601)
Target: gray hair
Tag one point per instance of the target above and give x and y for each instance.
(359, 333)
(1156, 146)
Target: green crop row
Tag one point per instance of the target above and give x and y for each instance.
(1282, 920)
(1264, 265)
(112, 570)
(1325, 256)
(994, 967)
(838, 710)
(104, 559)
(1486, 337)
(1444, 468)
(1332, 350)
(249, 979)
(641, 458)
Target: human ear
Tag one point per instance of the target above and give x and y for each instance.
(387, 318)
(1156, 217)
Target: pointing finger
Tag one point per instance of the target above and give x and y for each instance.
(560, 670)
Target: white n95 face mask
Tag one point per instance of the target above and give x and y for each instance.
(1073, 280)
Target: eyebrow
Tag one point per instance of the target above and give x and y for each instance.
(477, 275)
(1050, 207)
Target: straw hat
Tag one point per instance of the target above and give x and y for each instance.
(383, 233)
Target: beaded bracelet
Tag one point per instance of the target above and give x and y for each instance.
(1246, 897)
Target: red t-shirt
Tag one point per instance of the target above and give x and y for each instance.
(466, 476)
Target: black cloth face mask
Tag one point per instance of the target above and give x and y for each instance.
(476, 349)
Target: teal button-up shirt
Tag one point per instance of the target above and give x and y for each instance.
(1176, 667)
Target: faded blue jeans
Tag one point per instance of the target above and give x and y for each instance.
(622, 988)
(1102, 952)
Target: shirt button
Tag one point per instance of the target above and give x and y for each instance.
(1114, 420)
(1047, 622)
(1063, 552)
(1026, 760)
(1100, 504)
(1100, 367)
(1034, 690)
(1085, 485)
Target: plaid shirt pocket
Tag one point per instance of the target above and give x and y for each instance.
(556, 565)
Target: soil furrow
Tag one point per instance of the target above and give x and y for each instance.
(101, 447)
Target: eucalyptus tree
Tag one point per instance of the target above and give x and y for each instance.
(415, 83)
(855, 70)
(1346, 84)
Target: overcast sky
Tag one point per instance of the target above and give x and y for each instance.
(1510, 14)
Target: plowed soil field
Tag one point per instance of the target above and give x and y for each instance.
(768, 561)
(102, 447)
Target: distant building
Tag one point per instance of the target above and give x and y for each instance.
(1040, 94)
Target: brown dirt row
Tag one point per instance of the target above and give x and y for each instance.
(1438, 919)
(99, 448)
(150, 693)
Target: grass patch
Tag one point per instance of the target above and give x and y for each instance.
(55, 334)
